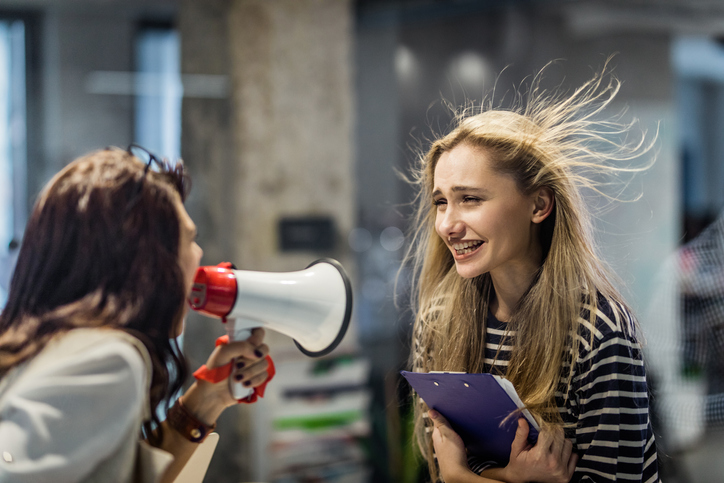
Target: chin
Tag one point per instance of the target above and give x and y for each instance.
(468, 272)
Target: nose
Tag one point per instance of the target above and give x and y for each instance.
(449, 223)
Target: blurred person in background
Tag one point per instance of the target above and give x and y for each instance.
(685, 344)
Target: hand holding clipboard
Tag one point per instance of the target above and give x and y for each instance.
(476, 406)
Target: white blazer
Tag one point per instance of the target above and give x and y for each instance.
(73, 413)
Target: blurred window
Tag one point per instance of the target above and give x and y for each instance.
(158, 90)
(13, 148)
(158, 100)
(698, 63)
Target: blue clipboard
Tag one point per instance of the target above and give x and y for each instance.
(476, 406)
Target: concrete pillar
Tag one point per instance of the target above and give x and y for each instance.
(280, 145)
(207, 148)
(292, 122)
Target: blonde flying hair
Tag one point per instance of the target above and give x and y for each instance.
(553, 140)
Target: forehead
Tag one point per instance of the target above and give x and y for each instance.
(185, 222)
(463, 162)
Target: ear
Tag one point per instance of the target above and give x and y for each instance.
(543, 200)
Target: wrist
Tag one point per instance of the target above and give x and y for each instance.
(186, 424)
(204, 406)
(501, 474)
(461, 474)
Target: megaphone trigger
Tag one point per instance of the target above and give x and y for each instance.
(237, 388)
(220, 373)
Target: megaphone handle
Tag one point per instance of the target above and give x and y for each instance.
(237, 388)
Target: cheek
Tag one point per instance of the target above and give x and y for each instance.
(518, 225)
(194, 262)
(189, 264)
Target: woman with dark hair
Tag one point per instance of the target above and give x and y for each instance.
(87, 338)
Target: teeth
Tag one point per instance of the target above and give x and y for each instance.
(466, 247)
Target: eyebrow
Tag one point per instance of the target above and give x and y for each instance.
(456, 189)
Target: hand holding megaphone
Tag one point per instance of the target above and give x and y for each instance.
(312, 306)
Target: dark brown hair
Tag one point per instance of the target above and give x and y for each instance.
(101, 249)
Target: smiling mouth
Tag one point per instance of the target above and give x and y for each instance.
(466, 247)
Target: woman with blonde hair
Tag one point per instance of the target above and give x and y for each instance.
(507, 280)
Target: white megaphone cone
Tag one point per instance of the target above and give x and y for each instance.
(312, 306)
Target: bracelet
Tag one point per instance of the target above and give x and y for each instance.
(180, 419)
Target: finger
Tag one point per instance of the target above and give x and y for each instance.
(257, 337)
(566, 451)
(245, 371)
(438, 419)
(572, 464)
(545, 440)
(557, 444)
(254, 380)
(436, 437)
(440, 424)
(237, 349)
(520, 443)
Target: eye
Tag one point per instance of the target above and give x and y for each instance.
(471, 199)
(439, 202)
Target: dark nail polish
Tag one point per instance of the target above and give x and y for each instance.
(247, 383)
(239, 377)
(239, 365)
(258, 353)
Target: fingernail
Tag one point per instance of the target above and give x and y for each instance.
(258, 353)
(239, 365)
(239, 377)
(432, 413)
(247, 383)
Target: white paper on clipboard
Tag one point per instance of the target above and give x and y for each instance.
(510, 391)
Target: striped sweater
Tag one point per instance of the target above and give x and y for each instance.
(607, 401)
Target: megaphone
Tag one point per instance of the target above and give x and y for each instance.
(312, 306)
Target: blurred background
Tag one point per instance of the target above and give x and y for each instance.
(295, 118)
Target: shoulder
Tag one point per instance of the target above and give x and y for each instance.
(74, 404)
(607, 327)
(606, 318)
(96, 350)
(110, 361)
